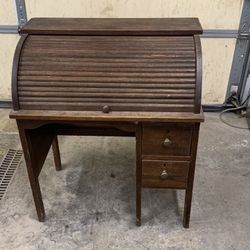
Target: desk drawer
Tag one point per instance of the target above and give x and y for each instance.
(166, 140)
(164, 174)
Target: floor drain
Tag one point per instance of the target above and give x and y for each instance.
(7, 169)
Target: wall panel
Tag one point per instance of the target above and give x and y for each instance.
(216, 14)
(8, 12)
(7, 45)
(221, 14)
(217, 60)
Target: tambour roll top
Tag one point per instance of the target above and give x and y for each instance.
(108, 65)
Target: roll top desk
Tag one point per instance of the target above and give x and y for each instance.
(112, 77)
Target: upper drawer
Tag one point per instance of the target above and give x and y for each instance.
(168, 140)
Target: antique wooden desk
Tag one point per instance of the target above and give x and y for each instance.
(112, 77)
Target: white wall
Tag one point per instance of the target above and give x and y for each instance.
(8, 12)
(216, 14)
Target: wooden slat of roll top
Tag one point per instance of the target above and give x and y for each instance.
(124, 43)
(137, 51)
(98, 106)
(48, 68)
(101, 44)
(106, 79)
(103, 100)
(110, 62)
(107, 74)
(107, 85)
(68, 54)
(143, 61)
(86, 73)
(107, 95)
(105, 90)
(60, 103)
(104, 67)
(135, 39)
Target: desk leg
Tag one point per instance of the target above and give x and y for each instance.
(56, 154)
(138, 174)
(187, 206)
(189, 190)
(37, 196)
(36, 144)
(30, 160)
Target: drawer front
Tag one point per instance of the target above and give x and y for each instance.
(164, 174)
(167, 140)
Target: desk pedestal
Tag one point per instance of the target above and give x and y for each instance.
(165, 153)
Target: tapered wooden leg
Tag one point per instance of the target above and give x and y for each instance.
(187, 208)
(37, 196)
(138, 206)
(138, 174)
(189, 190)
(56, 153)
(33, 168)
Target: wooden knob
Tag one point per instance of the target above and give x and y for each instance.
(105, 109)
(164, 175)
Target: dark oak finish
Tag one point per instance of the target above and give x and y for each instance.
(138, 173)
(56, 154)
(113, 26)
(197, 43)
(112, 77)
(15, 101)
(121, 74)
(179, 139)
(40, 115)
(190, 182)
(32, 167)
(176, 174)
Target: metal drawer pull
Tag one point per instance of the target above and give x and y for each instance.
(167, 142)
(164, 175)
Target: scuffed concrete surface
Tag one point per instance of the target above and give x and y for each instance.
(90, 204)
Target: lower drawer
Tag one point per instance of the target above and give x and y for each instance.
(164, 174)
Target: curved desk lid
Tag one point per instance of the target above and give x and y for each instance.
(87, 65)
(113, 26)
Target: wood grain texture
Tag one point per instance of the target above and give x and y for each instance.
(56, 154)
(124, 73)
(111, 26)
(198, 54)
(138, 172)
(14, 80)
(177, 174)
(30, 155)
(190, 181)
(133, 77)
(46, 116)
(179, 137)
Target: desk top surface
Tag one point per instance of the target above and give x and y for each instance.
(112, 116)
(113, 26)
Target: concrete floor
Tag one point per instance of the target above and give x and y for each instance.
(90, 204)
